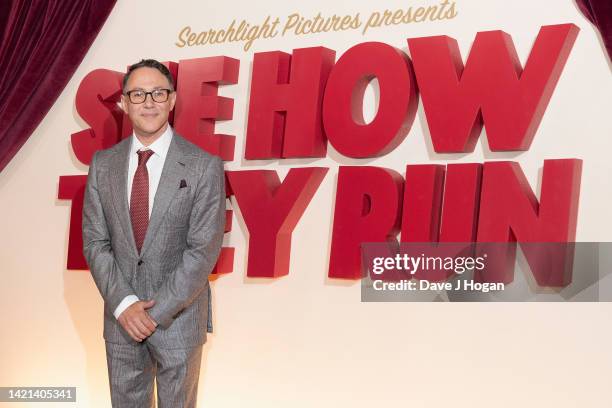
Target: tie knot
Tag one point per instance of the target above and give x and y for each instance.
(143, 156)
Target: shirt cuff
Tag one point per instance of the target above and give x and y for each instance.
(125, 303)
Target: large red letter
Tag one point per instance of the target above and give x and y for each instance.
(368, 209)
(509, 211)
(285, 104)
(425, 218)
(73, 188)
(96, 102)
(492, 87)
(198, 106)
(343, 106)
(271, 211)
(441, 206)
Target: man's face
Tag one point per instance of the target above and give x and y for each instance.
(149, 118)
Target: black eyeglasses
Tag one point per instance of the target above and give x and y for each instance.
(139, 96)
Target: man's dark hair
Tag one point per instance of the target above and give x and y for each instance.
(149, 63)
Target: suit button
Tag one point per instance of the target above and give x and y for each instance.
(140, 262)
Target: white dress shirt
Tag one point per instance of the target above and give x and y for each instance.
(155, 165)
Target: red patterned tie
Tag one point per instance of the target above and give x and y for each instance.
(139, 198)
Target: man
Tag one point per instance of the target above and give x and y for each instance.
(153, 221)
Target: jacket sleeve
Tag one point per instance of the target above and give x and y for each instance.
(204, 240)
(97, 246)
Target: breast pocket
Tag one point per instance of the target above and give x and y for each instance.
(179, 209)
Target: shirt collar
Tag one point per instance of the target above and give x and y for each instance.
(160, 146)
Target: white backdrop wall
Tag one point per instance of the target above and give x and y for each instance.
(305, 340)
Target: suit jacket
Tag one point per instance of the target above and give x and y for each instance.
(180, 249)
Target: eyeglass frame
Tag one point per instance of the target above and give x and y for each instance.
(147, 94)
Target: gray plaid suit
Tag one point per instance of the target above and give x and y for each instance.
(181, 247)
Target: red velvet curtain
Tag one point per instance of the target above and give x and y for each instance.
(43, 43)
(599, 12)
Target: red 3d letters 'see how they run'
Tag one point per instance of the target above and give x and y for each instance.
(302, 101)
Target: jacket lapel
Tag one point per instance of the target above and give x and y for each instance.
(172, 173)
(118, 185)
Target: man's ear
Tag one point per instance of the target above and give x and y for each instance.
(124, 103)
(172, 100)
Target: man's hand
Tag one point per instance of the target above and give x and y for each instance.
(136, 321)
